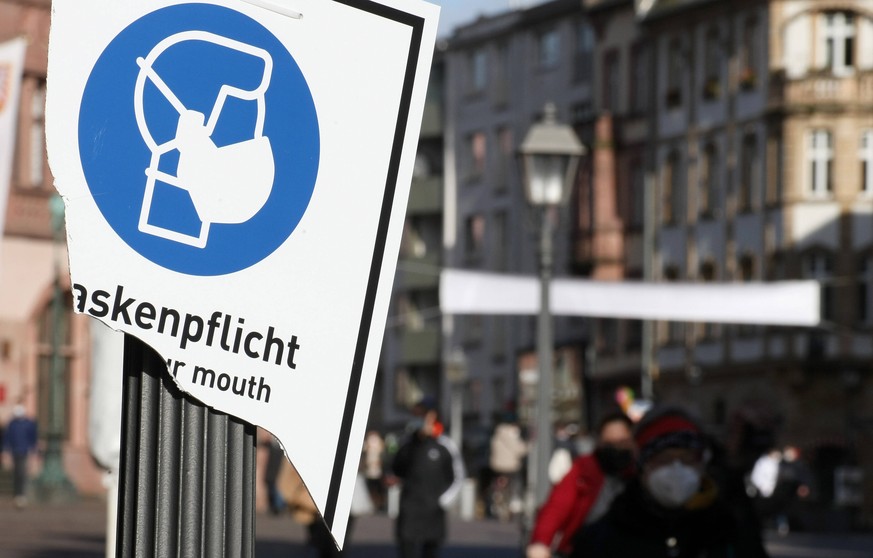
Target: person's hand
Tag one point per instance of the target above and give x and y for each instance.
(538, 550)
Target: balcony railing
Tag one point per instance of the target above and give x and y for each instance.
(821, 89)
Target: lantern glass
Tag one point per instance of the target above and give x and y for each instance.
(546, 177)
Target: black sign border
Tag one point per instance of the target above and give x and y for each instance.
(416, 23)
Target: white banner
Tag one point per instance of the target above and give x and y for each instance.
(787, 303)
(11, 65)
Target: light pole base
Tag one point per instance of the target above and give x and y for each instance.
(49, 488)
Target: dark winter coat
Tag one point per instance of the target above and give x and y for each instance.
(20, 436)
(432, 472)
(637, 527)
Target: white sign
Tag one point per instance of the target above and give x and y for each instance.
(235, 177)
(788, 303)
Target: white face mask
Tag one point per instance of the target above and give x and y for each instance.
(674, 484)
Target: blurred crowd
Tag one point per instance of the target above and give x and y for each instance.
(644, 484)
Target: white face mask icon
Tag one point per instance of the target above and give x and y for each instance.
(227, 184)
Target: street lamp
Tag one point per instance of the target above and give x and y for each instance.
(52, 483)
(549, 156)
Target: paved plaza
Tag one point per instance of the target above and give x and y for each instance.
(77, 531)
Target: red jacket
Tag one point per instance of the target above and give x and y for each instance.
(568, 504)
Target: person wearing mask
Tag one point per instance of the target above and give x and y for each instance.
(672, 509)
(432, 472)
(586, 491)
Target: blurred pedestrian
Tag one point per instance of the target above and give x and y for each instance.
(793, 484)
(304, 511)
(374, 451)
(432, 472)
(672, 509)
(275, 459)
(584, 494)
(563, 452)
(19, 441)
(505, 459)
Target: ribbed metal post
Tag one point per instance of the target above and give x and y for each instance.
(186, 486)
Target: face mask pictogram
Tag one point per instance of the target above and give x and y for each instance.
(227, 184)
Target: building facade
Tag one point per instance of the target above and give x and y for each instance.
(500, 73)
(30, 260)
(410, 366)
(762, 123)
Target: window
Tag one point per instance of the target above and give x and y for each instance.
(864, 278)
(707, 330)
(839, 42)
(675, 73)
(608, 331)
(500, 244)
(865, 290)
(675, 331)
(673, 198)
(474, 237)
(473, 329)
(820, 156)
(583, 51)
(407, 390)
(476, 151)
(36, 161)
(500, 91)
(774, 168)
(549, 48)
(478, 72)
(611, 81)
(865, 154)
(708, 198)
(633, 335)
(746, 273)
(639, 78)
(748, 173)
(819, 265)
(505, 154)
(637, 202)
(712, 64)
(750, 52)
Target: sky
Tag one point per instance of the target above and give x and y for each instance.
(458, 12)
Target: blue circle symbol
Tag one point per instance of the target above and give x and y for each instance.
(199, 139)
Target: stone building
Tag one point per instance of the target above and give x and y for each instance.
(761, 156)
(500, 73)
(30, 259)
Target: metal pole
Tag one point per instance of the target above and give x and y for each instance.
(186, 481)
(544, 354)
(52, 485)
(647, 387)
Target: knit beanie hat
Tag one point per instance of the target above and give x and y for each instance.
(667, 427)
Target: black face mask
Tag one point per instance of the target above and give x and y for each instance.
(614, 460)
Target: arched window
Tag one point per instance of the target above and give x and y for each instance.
(838, 34)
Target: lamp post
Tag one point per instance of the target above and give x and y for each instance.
(549, 156)
(52, 483)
